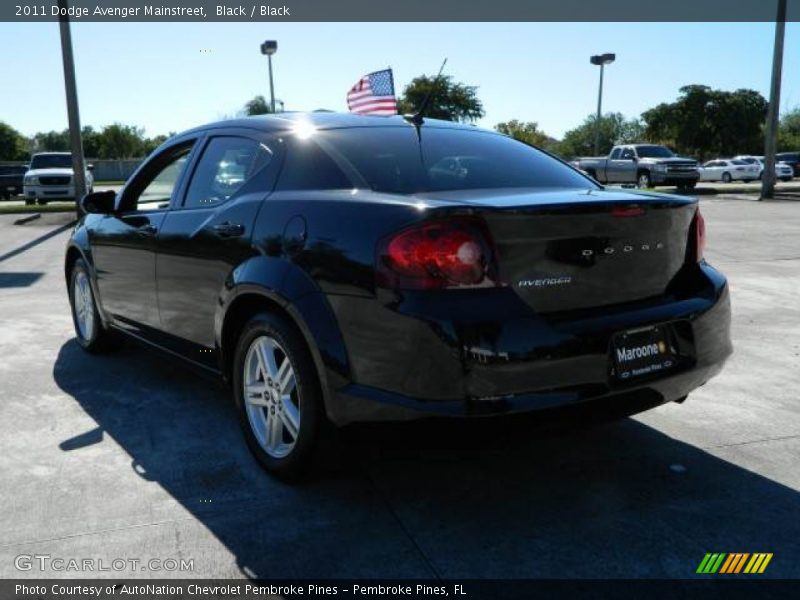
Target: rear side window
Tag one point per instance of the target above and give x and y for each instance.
(615, 154)
(226, 165)
(308, 167)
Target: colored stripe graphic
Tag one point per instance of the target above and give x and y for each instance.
(758, 563)
(711, 562)
(734, 563)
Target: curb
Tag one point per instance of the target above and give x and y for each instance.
(28, 218)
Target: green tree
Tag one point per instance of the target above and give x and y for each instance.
(257, 106)
(52, 141)
(614, 129)
(91, 142)
(451, 101)
(152, 143)
(13, 145)
(706, 123)
(121, 141)
(789, 131)
(526, 132)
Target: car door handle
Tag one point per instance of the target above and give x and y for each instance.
(147, 230)
(228, 229)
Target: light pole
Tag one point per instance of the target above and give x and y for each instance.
(269, 48)
(770, 141)
(602, 60)
(76, 144)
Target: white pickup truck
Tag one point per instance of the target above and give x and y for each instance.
(645, 165)
(51, 177)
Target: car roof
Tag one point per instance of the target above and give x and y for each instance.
(51, 153)
(284, 121)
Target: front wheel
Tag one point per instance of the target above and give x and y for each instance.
(643, 180)
(277, 394)
(89, 329)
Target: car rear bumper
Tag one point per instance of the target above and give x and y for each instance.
(407, 367)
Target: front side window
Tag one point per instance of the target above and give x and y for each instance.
(396, 160)
(628, 154)
(226, 165)
(153, 187)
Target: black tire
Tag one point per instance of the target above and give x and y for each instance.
(99, 339)
(786, 178)
(726, 178)
(308, 398)
(41, 202)
(29, 202)
(643, 180)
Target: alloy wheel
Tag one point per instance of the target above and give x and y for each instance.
(644, 181)
(271, 396)
(83, 305)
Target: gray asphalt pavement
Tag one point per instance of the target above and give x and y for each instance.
(129, 456)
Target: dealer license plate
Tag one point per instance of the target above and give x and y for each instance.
(642, 352)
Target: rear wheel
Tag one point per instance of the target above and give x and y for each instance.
(89, 329)
(726, 178)
(643, 180)
(277, 394)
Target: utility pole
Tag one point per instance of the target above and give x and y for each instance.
(269, 48)
(73, 115)
(771, 143)
(600, 60)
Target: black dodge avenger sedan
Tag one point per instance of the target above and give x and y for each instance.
(341, 268)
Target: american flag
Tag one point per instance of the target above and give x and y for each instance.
(373, 95)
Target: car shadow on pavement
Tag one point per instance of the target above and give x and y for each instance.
(521, 498)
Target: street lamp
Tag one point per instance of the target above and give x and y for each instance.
(602, 60)
(269, 48)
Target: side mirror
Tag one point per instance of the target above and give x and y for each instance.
(90, 167)
(99, 203)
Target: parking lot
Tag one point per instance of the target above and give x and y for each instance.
(129, 456)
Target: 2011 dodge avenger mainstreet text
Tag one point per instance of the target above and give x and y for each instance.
(341, 268)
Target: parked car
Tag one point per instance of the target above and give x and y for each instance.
(50, 177)
(729, 169)
(790, 158)
(645, 165)
(367, 268)
(11, 177)
(783, 171)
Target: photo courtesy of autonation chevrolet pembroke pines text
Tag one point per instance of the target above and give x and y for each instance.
(371, 299)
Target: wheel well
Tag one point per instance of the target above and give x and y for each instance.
(239, 312)
(73, 254)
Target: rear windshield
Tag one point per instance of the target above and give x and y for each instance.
(654, 152)
(395, 160)
(52, 161)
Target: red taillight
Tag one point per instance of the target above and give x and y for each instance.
(699, 235)
(437, 254)
(626, 210)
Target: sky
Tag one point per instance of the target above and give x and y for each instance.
(172, 76)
